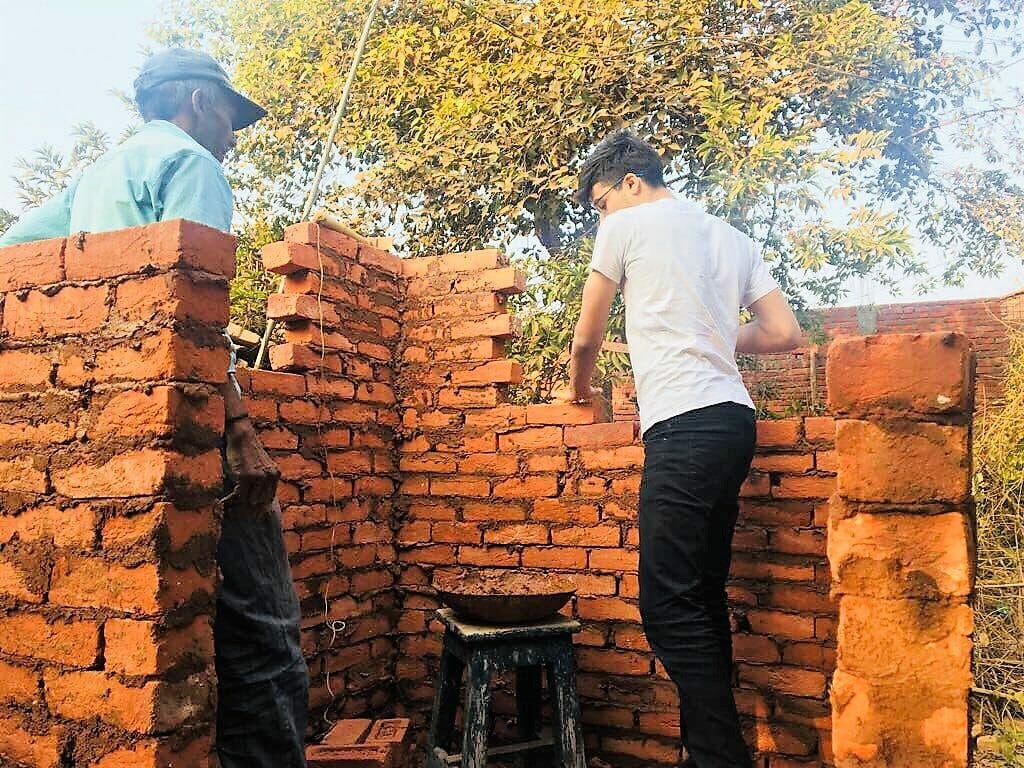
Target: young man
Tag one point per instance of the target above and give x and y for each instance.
(171, 169)
(684, 276)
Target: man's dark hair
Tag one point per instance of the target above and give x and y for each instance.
(165, 101)
(616, 155)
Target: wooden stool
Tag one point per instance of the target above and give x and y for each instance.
(481, 650)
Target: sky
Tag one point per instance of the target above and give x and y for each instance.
(60, 60)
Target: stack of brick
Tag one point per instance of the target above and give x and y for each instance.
(901, 550)
(552, 488)
(110, 353)
(327, 415)
(361, 743)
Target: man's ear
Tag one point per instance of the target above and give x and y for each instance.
(200, 101)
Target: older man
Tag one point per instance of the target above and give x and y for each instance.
(171, 169)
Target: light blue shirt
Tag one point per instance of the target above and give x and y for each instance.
(160, 173)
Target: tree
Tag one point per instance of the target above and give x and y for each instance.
(815, 126)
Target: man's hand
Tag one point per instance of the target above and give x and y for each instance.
(254, 473)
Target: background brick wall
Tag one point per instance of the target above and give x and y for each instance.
(792, 383)
(110, 351)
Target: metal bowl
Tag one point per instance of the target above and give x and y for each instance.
(503, 597)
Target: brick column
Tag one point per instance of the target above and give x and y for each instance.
(110, 353)
(900, 549)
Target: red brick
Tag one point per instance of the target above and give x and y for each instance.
(529, 439)
(18, 684)
(933, 374)
(755, 648)
(784, 462)
(523, 533)
(614, 662)
(299, 357)
(158, 412)
(494, 557)
(615, 559)
(779, 624)
(820, 429)
(573, 558)
(284, 258)
(590, 536)
(17, 743)
(71, 310)
(84, 581)
(496, 371)
(503, 326)
(804, 487)
(492, 510)
(152, 708)
(312, 234)
(909, 462)
(178, 295)
(459, 487)
(172, 243)
(607, 609)
(565, 413)
(29, 264)
(19, 582)
(484, 397)
(347, 732)
(560, 510)
(495, 464)
(469, 261)
(360, 756)
(165, 354)
(161, 753)
(25, 474)
(607, 435)
(136, 647)
(24, 370)
(778, 434)
(784, 680)
(531, 486)
(624, 457)
(799, 542)
(138, 473)
(63, 641)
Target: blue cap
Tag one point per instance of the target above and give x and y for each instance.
(185, 64)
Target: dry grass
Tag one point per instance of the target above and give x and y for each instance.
(999, 598)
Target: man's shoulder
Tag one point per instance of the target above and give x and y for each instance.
(161, 146)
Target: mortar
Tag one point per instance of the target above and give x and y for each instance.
(503, 597)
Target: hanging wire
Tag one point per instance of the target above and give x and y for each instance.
(314, 189)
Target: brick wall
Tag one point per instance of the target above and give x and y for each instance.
(327, 416)
(401, 459)
(548, 487)
(791, 383)
(109, 417)
(901, 550)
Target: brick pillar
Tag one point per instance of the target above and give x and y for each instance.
(110, 353)
(328, 414)
(900, 549)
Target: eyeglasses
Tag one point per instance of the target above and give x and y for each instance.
(597, 203)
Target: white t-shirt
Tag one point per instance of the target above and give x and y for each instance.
(684, 275)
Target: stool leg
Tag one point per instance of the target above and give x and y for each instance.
(446, 702)
(478, 704)
(569, 730)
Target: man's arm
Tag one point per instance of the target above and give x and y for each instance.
(255, 474)
(773, 329)
(51, 219)
(598, 293)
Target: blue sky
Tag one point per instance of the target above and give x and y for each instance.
(60, 59)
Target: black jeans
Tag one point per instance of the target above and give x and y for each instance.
(262, 679)
(689, 500)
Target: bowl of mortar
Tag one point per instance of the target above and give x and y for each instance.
(503, 597)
